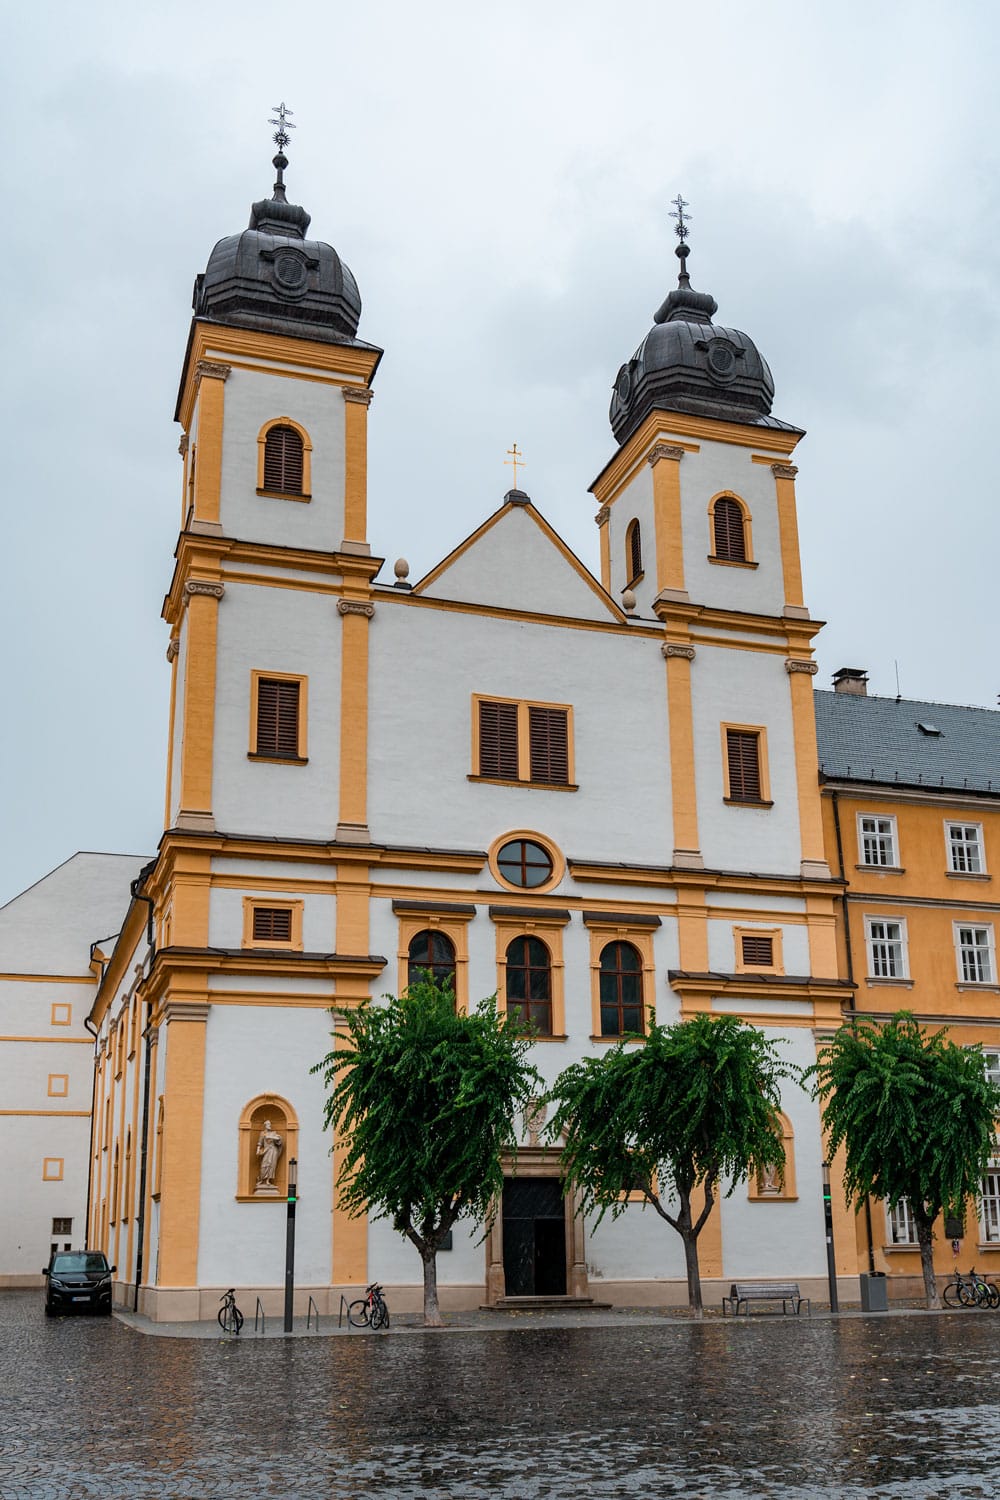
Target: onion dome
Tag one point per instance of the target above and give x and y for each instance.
(689, 363)
(272, 279)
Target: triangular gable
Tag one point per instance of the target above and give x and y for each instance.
(516, 561)
(48, 929)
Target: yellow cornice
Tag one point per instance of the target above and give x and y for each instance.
(342, 359)
(668, 425)
(681, 614)
(208, 557)
(701, 880)
(569, 622)
(176, 843)
(121, 956)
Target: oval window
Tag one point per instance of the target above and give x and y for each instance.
(524, 863)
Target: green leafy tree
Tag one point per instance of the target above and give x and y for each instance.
(424, 1100)
(696, 1103)
(916, 1115)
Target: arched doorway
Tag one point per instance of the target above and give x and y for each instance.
(535, 1245)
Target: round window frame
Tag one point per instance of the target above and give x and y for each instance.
(528, 835)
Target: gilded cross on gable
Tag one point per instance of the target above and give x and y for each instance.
(281, 137)
(680, 228)
(517, 460)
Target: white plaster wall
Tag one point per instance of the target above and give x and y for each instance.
(724, 466)
(744, 687)
(251, 1050)
(26, 1224)
(253, 398)
(634, 503)
(518, 566)
(278, 630)
(776, 1239)
(225, 916)
(722, 946)
(393, 1259)
(640, 1246)
(420, 753)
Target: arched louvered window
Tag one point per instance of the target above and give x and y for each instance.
(633, 546)
(529, 984)
(621, 990)
(729, 532)
(431, 956)
(283, 455)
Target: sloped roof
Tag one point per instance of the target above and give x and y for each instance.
(880, 740)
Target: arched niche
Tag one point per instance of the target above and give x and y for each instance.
(273, 1110)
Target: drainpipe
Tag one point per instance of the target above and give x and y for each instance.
(849, 950)
(140, 1229)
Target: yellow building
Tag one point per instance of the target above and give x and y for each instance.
(911, 810)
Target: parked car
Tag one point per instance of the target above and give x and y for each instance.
(78, 1281)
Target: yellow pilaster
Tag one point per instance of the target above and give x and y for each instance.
(357, 400)
(788, 533)
(665, 460)
(198, 732)
(211, 379)
(190, 889)
(352, 821)
(353, 904)
(692, 930)
(177, 1261)
(173, 651)
(682, 771)
(349, 1255)
(602, 518)
(822, 920)
(710, 1262)
(800, 675)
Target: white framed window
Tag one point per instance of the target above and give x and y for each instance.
(974, 950)
(900, 1225)
(989, 1205)
(886, 942)
(991, 1062)
(965, 848)
(877, 840)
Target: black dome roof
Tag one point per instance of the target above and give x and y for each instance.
(688, 363)
(271, 278)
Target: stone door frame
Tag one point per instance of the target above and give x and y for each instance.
(537, 1161)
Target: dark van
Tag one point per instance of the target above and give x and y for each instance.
(78, 1281)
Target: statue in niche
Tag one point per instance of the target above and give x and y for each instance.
(771, 1182)
(269, 1147)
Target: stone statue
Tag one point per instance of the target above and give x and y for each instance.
(269, 1148)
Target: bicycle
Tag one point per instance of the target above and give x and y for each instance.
(230, 1317)
(971, 1290)
(369, 1311)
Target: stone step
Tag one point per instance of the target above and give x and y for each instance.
(546, 1304)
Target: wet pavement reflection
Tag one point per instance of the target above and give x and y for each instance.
(893, 1407)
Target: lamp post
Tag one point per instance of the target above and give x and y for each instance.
(831, 1262)
(293, 1170)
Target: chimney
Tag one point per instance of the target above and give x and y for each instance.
(851, 680)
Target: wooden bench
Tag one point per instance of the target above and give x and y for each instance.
(743, 1293)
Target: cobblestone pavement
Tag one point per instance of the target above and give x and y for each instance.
(893, 1407)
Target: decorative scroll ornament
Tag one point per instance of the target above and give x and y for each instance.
(603, 516)
(663, 450)
(784, 471)
(359, 394)
(182, 446)
(203, 586)
(355, 607)
(672, 649)
(810, 668)
(207, 369)
(173, 647)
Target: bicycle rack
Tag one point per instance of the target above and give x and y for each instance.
(310, 1311)
(259, 1313)
(343, 1309)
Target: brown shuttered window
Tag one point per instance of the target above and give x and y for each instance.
(758, 952)
(743, 753)
(634, 543)
(278, 718)
(549, 742)
(283, 461)
(498, 740)
(730, 537)
(272, 924)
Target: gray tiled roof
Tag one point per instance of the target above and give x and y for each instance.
(879, 739)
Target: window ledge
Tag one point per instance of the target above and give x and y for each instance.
(882, 869)
(970, 984)
(759, 969)
(873, 979)
(282, 495)
(988, 1245)
(278, 1197)
(968, 875)
(545, 1037)
(900, 1249)
(271, 947)
(279, 760)
(637, 579)
(545, 786)
(731, 562)
(628, 1036)
(772, 1197)
(746, 802)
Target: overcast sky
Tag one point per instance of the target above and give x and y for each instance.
(498, 178)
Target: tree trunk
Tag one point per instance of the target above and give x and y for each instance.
(925, 1239)
(432, 1313)
(690, 1237)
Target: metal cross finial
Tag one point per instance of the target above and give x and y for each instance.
(517, 460)
(281, 137)
(680, 228)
